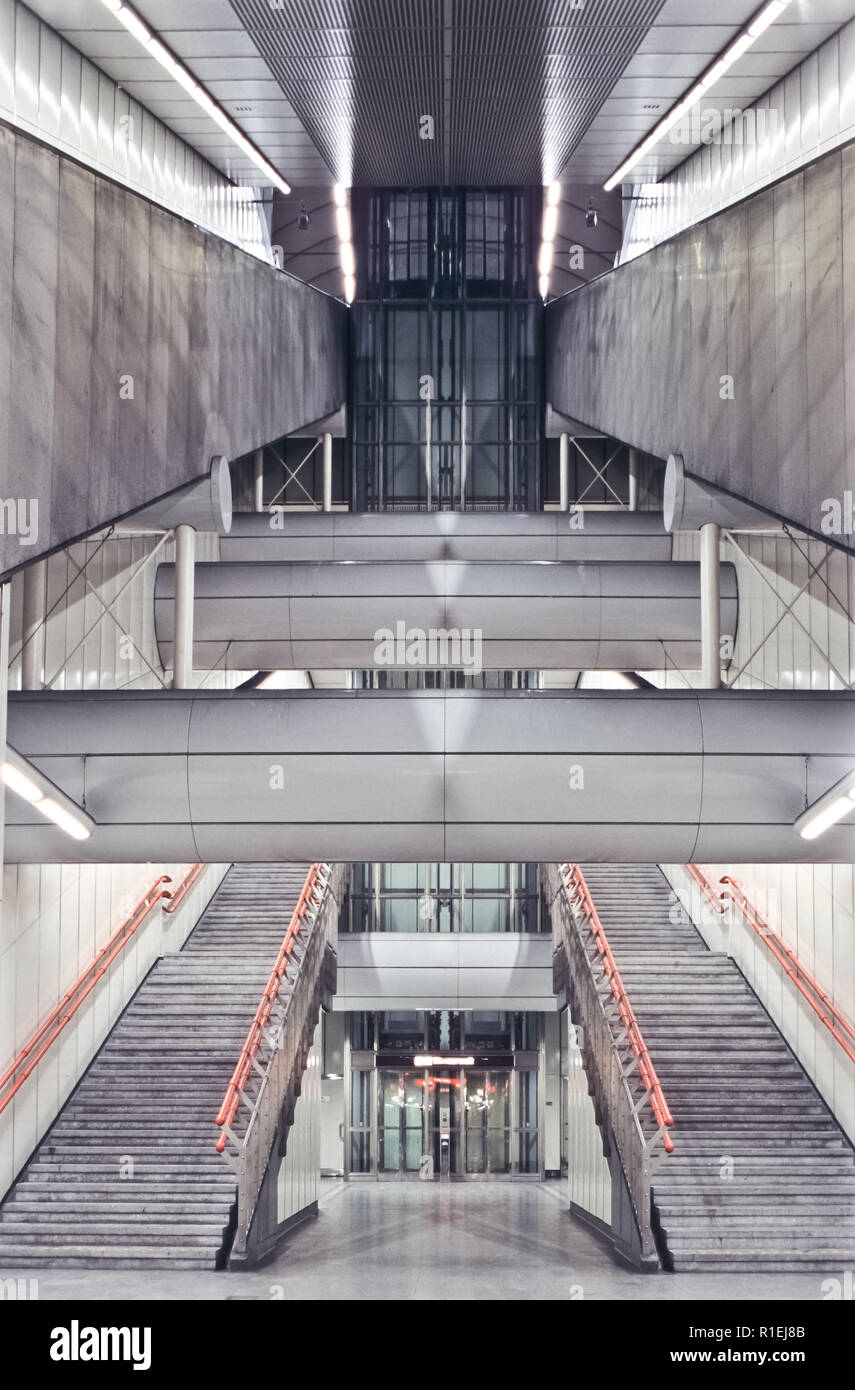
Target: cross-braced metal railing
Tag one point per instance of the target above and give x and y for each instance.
(623, 1078)
(266, 1080)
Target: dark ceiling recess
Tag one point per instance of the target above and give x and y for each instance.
(510, 85)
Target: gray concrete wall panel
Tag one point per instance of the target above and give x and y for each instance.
(97, 284)
(761, 293)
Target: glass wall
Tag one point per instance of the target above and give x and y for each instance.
(443, 898)
(445, 1120)
(447, 406)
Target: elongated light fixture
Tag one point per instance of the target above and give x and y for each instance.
(26, 781)
(431, 1061)
(549, 230)
(344, 227)
(740, 45)
(828, 809)
(167, 60)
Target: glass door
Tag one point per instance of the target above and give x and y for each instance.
(487, 1128)
(401, 1123)
(443, 1110)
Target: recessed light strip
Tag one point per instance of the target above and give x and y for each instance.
(26, 781)
(549, 230)
(344, 227)
(828, 809)
(740, 45)
(167, 60)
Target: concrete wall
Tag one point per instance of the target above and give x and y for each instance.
(751, 303)
(55, 919)
(104, 294)
(812, 906)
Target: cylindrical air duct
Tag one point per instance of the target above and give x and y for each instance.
(690, 503)
(538, 616)
(422, 776)
(206, 505)
(579, 535)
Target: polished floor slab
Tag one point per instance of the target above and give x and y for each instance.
(412, 1240)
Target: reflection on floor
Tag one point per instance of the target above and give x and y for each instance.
(412, 1240)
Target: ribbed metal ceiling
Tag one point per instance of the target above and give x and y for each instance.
(511, 84)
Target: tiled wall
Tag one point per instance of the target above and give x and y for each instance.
(88, 649)
(55, 918)
(300, 1169)
(48, 89)
(789, 659)
(590, 1184)
(812, 906)
(808, 112)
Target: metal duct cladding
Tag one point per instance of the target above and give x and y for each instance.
(505, 616)
(493, 536)
(664, 776)
(350, 616)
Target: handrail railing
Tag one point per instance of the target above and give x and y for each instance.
(827, 1012)
(621, 1075)
(267, 1083)
(638, 1047)
(311, 895)
(59, 1017)
(709, 892)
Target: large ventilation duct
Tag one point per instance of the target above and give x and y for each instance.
(665, 776)
(206, 505)
(606, 616)
(494, 536)
(690, 503)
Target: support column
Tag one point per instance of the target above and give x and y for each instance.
(185, 598)
(258, 480)
(34, 607)
(710, 606)
(327, 446)
(564, 473)
(633, 480)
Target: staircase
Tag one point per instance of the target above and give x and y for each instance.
(762, 1177)
(127, 1176)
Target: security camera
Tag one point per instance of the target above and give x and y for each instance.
(592, 215)
(304, 220)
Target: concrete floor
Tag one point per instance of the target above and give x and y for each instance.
(405, 1241)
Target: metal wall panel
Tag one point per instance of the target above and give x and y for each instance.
(812, 111)
(50, 90)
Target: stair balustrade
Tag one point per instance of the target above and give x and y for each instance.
(266, 1080)
(622, 1076)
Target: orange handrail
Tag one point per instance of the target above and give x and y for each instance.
(792, 966)
(241, 1073)
(57, 1020)
(576, 881)
(707, 888)
(187, 882)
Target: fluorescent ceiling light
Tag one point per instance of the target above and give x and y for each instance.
(348, 261)
(543, 286)
(26, 781)
(342, 222)
(340, 195)
(176, 70)
(64, 819)
(553, 197)
(550, 223)
(544, 260)
(759, 24)
(430, 1061)
(828, 809)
